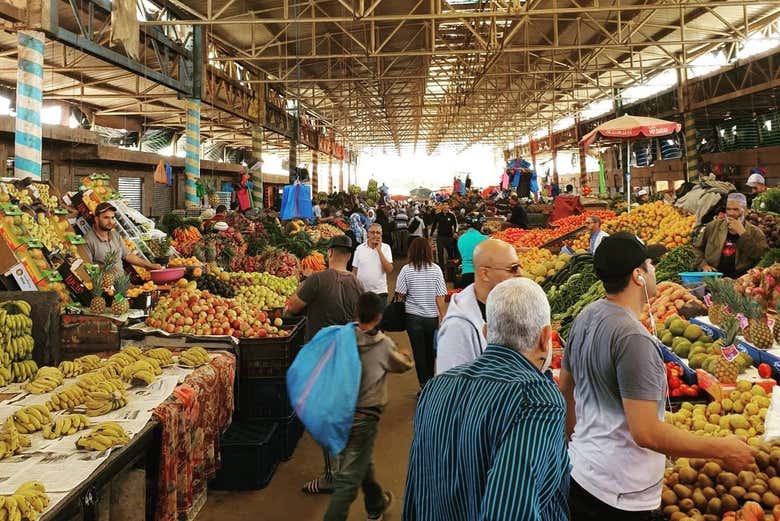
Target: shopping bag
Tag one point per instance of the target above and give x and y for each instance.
(159, 173)
(296, 202)
(394, 318)
(323, 384)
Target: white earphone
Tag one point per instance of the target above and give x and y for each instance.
(647, 298)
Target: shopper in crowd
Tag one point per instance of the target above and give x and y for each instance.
(401, 234)
(642, 196)
(372, 261)
(357, 226)
(466, 244)
(378, 356)
(593, 223)
(730, 244)
(489, 440)
(757, 184)
(241, 193)
(519, 217)
(103, 238)
(614, 382)
(416, 226)
(421, 284)
(445, 226)
(329, 298)
(569, 190)
(461, 337)
(502, 205)
(381, 219)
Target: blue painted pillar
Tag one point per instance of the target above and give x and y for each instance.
(29, 100)
(192, 154)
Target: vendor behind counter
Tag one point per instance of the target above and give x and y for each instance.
(729, 244)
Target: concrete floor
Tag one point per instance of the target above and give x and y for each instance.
(282, 499)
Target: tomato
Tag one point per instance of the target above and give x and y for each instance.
(675, 393)
(764, 370)
(692, 390)
(674, 382)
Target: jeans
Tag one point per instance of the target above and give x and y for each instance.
(584, 507)
(444, 247)
(422, 331)
(356, 469)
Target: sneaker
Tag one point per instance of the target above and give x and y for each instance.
(381, 515)
(320, 485)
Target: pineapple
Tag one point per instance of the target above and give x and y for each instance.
(720, 292)
(109, 273)
(757, 331)
(726, 372)
(776, 327)
(120, 306)
(210, 187)
(98, 304)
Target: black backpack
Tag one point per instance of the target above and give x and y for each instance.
(414, 224)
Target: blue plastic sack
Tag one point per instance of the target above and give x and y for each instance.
(323, 384)
(296, 202)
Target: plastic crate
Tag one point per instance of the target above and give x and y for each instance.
(270, 357)
(263, 398)
(692, 277)
(289, 432)
(250, 454)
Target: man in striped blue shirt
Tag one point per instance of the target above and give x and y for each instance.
(489, 441)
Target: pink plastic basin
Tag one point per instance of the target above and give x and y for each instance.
(167, 274)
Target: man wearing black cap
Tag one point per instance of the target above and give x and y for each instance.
(103, 239)
(614, 382)
(329, 298)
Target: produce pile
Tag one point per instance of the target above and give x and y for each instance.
(768, 224)
(578, 281)
(679, 260)
(540, 263)
(670, 300)
(695, 488)
(727, 302)
(322, 232)
(655, 223)
(187, 310)
(762, 285)
(566, 318)
(576, 221)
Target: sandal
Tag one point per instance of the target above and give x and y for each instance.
(315, 486)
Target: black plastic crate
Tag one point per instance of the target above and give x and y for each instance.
(250, 454)
(270, 357)
(289, 432)
(263, 398)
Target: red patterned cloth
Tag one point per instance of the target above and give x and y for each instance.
(192, 419)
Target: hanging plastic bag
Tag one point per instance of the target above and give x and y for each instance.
(159, 173)
(323, 384)
(296, 202)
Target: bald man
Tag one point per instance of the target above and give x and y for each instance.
(462, 331)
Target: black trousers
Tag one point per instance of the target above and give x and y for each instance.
(584, 507)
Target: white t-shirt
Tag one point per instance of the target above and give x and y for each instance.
(370, 272)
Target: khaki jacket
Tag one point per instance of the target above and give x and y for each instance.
(751, 245)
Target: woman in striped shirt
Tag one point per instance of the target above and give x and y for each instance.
(421, 284)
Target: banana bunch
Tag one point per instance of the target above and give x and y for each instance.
(140, 372)
(89, 362)
(134, 352)
(161, 354)
(31, 418)
(5, 376)
(17, 307)
(121, 358)
(104, 436)
(70, 368)
(46, 380)
(19, 347)
(68, 398)
(23, 370)
(17, 325)
(28, 502)
(111, 370)
(11, 442)
(66, 425)
(106, 397)
(89, 381)
(194, 357)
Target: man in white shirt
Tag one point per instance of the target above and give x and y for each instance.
(372, 261)
(593, 222)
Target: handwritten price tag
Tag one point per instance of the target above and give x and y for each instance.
(743, 321)
(708, 300)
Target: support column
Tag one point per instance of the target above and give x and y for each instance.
(257, 171)
(28, 137)
(315, 178)
(293, 159)
(330, 174)
(691, 152)
(192, 154)
(341, 175)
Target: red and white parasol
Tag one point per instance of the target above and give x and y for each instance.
(626, 127)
